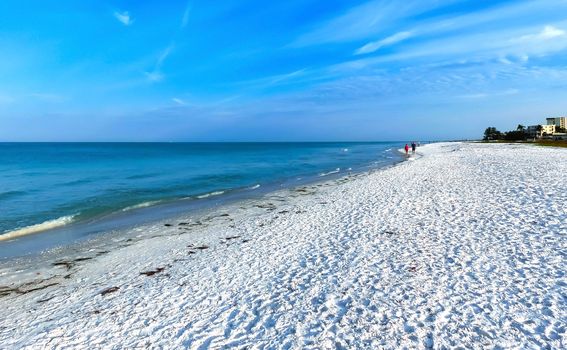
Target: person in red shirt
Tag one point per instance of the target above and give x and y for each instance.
(407, 149)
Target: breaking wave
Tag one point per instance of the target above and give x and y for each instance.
(331, 172)
(44, 226)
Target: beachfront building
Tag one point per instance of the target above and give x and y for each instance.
(538, 131)
(558, 122)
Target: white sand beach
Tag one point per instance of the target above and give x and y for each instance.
(465, 246)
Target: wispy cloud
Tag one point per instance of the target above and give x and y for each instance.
(285, 77)
(271, 81)
(376, 45)
(123, 17)
(500, 28)
(47, 97)
(366, 20)
(548, 33)
(32, 98)
(507, 92)
(364, 64)
(186, 14)
(507, 45)
(155, 75)
(164, 55)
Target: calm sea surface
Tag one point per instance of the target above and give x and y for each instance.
(49, 185)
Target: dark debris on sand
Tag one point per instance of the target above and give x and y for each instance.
(109, 290)
(152, 272)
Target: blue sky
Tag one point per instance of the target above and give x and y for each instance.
(250, 70)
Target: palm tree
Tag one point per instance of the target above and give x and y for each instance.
(539, 129)
(521, 127)
(491, 133)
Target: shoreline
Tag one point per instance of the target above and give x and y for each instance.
(411, 255)
(77, 232)
(75, 255)
(104, 239)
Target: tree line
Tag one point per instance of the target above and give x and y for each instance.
(520, 134)
(491, 133)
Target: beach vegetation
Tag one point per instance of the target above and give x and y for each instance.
(515, 135)
(491, 133)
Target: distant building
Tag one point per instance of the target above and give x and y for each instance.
(558, 122)
(533, 131)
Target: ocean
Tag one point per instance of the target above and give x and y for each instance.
(81, 186)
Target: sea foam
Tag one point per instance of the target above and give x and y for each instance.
(44, 226)
(206, 195)
(331, 172)
(141, 205)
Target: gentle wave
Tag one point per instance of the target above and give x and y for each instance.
(140, 176)
(44, 226)
(77, 182)
(141, 205)
(206, 195)
(10, 194)
(254, 187)
(331, 172)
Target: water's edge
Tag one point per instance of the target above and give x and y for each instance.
(77, 235)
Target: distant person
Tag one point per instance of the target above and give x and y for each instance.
(407, 149)
(413, 145)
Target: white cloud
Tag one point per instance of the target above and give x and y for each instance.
(179, 101)
(512, 44)
(376, 45)
(549, 32)
(507, 92)
(186, 13)
(366, 20)
(273, 80)
(123, 17)
(474, 96)
(154, 76)
(163, 56)
(284, 77)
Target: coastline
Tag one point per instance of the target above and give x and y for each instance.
(105, 235)
(412, 252)
(73, 229)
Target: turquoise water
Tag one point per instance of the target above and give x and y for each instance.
(49, 185)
